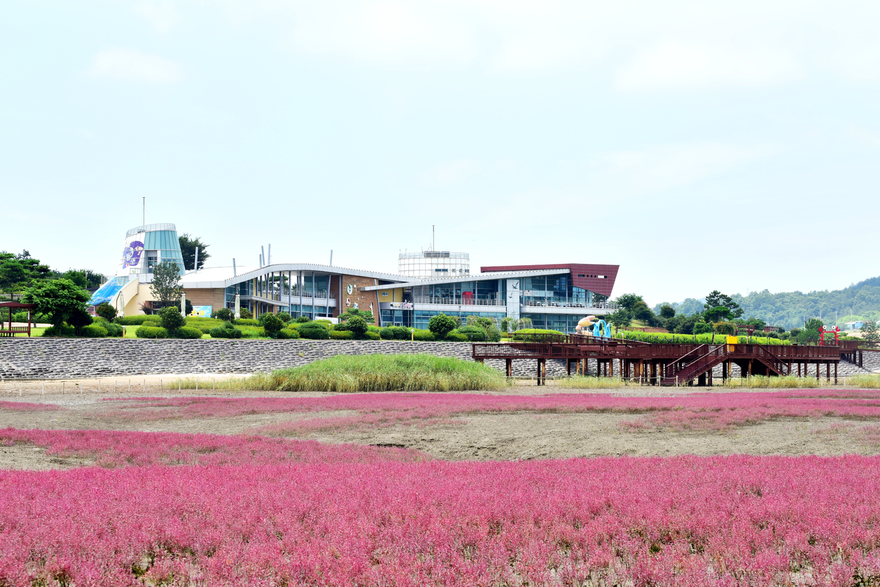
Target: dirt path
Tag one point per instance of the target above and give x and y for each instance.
(504, 436)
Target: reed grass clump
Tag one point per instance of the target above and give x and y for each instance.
(864, 381)
(587, 382)
(780, 382)
(417, 372)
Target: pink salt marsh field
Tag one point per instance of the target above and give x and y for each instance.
(433, 489)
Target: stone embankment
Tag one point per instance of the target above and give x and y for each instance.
(59, 358)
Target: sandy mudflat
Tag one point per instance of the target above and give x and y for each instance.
(506, 436)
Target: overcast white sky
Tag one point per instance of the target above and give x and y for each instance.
(699, 145)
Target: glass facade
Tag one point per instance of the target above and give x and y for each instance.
(162, 246)
(557, 290)
(433, 264)
(488, 292)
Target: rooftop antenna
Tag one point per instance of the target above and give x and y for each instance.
(269, 258)
(196, 265)
(234, 270)
(144, 217)
(331, 257)
(433, 239)
(262, 255)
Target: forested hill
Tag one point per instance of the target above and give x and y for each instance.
(788, 309)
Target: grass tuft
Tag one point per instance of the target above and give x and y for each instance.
(342, 373)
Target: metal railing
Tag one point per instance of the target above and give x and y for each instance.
(460, 301)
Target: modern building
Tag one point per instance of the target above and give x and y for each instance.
(552, 296)
(145, 247)
(433, 264)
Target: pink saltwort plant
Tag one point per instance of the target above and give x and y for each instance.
(118, 449)
(701, 411)
(28, 407)
(688, 521)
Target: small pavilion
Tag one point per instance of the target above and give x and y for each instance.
(7, 329)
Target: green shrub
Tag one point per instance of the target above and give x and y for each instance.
(93, 331)
(171, 317)
(271, 324)
(23, 317)
(314, 331)
(113, 330)
(185, 332)
(246, 322)
(326, 323)
(702, 328)
(473, 333)
(291, 332)
(386, 333)
(282, 335)
(303, 320)
(245, 313)
(224, 314)
(401, 333)
(151, 332)
(441, 325)
(342, 334)
(106, 311)
(62, 330)
(423, 335)
(227, 331)
(357, 326)
(537, 335)
(456, 336)
(371, 335)
(136, 320)
(284, 317)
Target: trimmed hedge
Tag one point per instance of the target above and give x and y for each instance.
(538, 335)
(386, 333)
(371, 335)
(246, 322)
(456, 336)
(136, 320)
(228, 331)
(314, 331)
(93, 331)
(184, 332)
(342, 335)
(473, 333)
(64, 331)
(423, 335)
(151, 332)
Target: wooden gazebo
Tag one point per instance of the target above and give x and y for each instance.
(7, 329)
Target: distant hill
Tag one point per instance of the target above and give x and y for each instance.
(856, 302)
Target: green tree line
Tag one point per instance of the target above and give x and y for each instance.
(791, 309)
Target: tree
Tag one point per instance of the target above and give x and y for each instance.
(627, 301)
(13, 275)
(224, 314)
(440, 325)
(188, 247)
(620, 318)
(716, 299)
(60, 299)
(869, 331)
(667, 312)
(366, 315)
(166, 283)
(78, 277)
(701, 328)
(106, 311)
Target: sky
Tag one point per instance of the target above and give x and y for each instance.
(698, 145)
